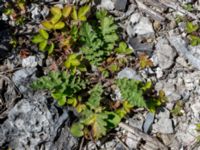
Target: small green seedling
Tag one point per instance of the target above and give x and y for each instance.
(123, 49)
(74, 62)
(190, 27)
(194, 40)
(80, 15)
(54, 23)
(42, 39)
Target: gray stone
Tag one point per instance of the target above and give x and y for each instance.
(135, 18)
(164, 125)
(107, 4)
(186, 133)
(136, 121)
(22, 77)
(196, 109)
(181, 47)
(165, 53)
(120, 5)
(128, 73)
(148, 122)
(142, 47)
(143, 28)
(163, 113)
(131, 141)
(29, 62)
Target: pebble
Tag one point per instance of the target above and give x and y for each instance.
(165, 53)
(120, 5)
(148, 122)
(164, 125)
(128, 73)
(107, 4)
(29, 62)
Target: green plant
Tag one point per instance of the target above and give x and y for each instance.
(123, 49)
(95, 117)
(74, 62)
(80, 15)
(63, 86)
(188, 7)
(131, 90)
(177, 110)
(59, 29)
(99, 42)
(92, 42)
(194, 40)
(144, 61)
(134, 92)
(42, 39)
(190, 27)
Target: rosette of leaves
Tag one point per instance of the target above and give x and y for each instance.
(98, 42)
(42, 40)
(80, 14)
(74, 62)
(191, 29)
(123, 49)
(55, 21)
(94, 120)
(58, 16)
(61, 28)
(63, 86)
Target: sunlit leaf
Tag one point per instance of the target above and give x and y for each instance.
(43, 45)
(74, 13)
(66, 11)
(59, 25)
(82, 12)
(47, 25)
(44, 34)
(77, 129)
(37, 39)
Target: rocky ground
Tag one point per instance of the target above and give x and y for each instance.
(32, 120)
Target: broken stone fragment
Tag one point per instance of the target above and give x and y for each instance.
(120, 5)
(140, 26)
(165, 54)
(107, 4)
(148, 122)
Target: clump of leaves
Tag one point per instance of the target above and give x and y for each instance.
(188, 7)
(123, 49)
(144, 61)
(74, 62)
(156, 101)
(42, 39)
(95, 42)
(194, 40)
(134, 92)
(198, 130)
(192, 29)
(131, 90)
(60, 28)
(63, 86)
(98, 42)
(55, 22)
(178, 108)
(95, 121)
